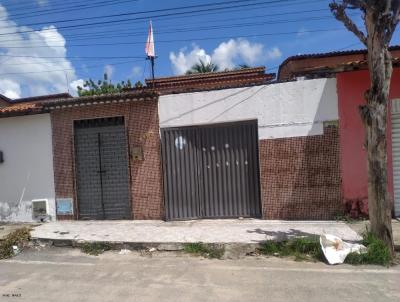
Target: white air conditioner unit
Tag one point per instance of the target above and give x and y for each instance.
(40, 209)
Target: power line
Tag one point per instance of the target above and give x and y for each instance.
(144, 18)
(172, 30)
(185, 40)
(60, 59)
(125, 62)
(196, 14)
(143, 12)
(93, 35)
(71, 58)
(120, 57)
(90, 34)
(34, 6)
(129, 33)
(67, 9)
(68, 69)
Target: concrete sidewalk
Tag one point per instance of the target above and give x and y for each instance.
(246, 231)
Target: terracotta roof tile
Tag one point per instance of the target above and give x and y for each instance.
(20, 109)
(135, 95)
(42, 98)
(42, 106)
(211, 80)
(333, 61)
(333, 54)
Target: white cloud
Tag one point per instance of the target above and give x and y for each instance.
(24, 60)
(227, 55)
(109, 70)
(183, 61)
(74, 85)
(10, 89)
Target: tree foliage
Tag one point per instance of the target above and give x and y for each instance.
(381, 18)
(104, 86)
(203, 67)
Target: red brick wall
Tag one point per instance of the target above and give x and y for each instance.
(141, 122)
(300, 177)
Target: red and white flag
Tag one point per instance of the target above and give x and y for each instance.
(150, 43)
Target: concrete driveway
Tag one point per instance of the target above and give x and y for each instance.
(67, 275)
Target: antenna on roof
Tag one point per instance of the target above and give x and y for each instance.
(67, 81)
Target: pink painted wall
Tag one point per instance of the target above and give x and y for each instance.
(351, 87)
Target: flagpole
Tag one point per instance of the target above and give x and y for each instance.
(152, 71)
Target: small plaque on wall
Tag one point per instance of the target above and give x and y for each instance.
(65, 206)
(137, 153)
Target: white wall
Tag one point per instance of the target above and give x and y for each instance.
(27, 171)
(283, 110)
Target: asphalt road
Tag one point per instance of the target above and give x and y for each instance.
(67, 275)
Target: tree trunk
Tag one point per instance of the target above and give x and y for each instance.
(375, 119)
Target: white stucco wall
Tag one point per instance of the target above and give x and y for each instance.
(283, 110)
(27, 171)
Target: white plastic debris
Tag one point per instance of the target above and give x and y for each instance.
(152, 250)
(124, 252)
(336, 250)
(16, 250)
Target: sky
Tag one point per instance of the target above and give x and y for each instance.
(52, 46)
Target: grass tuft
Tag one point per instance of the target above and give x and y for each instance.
(206, 251)
(19, 238)
(377, 252)
(302, 249)
(95, 248)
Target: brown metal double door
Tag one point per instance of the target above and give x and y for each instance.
(211, 171)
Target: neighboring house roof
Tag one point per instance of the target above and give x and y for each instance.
(30, 105)
(20, 109)
(168, 85)
(211, 81)
(45, 104)
(323, 64)
(123, 97)
(43, 98)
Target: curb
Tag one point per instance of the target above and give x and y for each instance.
(231, 250)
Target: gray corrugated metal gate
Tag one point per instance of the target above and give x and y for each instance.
(101, 162)
(211, 171)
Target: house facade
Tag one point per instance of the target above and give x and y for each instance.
(220, 145)
(107, 156)
(293, 171)
(81, 158)
(26, 166)
(350, 70)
